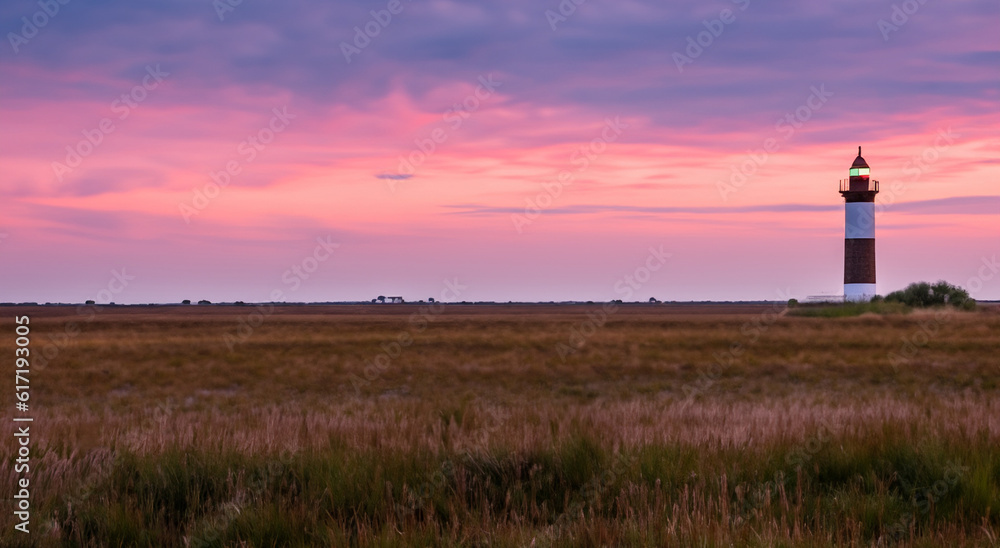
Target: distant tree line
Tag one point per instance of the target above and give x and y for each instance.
(923, 294)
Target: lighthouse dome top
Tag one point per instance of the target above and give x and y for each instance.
(860, 169)
(859, 161)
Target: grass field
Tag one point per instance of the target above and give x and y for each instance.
(517, 425)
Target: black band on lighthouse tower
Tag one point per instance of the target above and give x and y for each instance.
(859, 231)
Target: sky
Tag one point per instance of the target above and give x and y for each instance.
(521, 150)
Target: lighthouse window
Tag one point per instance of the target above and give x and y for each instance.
(857, 171)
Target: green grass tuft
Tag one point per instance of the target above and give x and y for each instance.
(845, 310)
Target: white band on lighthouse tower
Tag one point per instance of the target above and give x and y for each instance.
(859, 292)
(859, 220)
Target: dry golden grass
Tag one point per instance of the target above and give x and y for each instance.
(666, 426)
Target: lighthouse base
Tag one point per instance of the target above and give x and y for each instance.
(858, 292)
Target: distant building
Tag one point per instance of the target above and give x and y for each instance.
(395, 300)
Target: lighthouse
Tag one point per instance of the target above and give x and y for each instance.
(859, 192)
